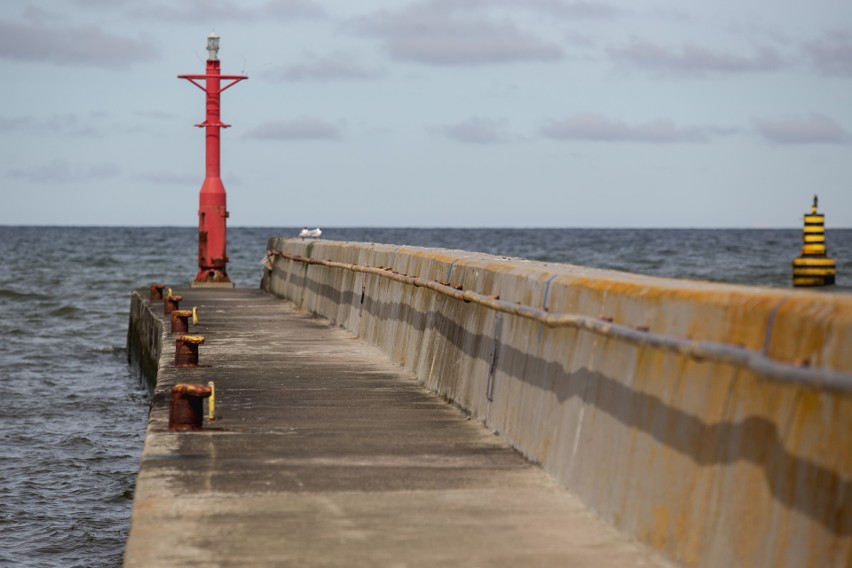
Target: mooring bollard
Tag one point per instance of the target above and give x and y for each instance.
(186, 350)
(171, 303)
(186, 411)
(180, 321)
(157, 291)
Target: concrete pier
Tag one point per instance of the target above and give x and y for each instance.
(325, 453)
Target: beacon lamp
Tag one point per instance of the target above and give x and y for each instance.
(212, 47)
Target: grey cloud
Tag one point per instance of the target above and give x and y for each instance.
(286, 9)
(155, 114)
(428, 33)
(99, 171)
(466, 45)
(65, 124)
(100, 5)
(832, 53)
(576, 10)
(593, 127)
(304, 128)
(9, 124)
(70, 125)
(477, 130)
(63, 172)
(38, 14)
(722, 130)
(225, 10)
(87, 45)
(579, 10)
(170, 178)
(330, 67)
(814, 128)
(693, 60)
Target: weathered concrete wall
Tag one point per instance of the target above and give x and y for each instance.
(710, 463)
(144, 337)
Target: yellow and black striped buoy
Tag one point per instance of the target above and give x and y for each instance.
(813, 267)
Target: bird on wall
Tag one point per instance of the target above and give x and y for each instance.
(306, 233)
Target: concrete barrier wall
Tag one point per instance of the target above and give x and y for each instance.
(144, 338)
(707, 462)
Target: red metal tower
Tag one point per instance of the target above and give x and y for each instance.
(212, 211)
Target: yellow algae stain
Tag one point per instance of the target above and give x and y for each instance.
(659, 528)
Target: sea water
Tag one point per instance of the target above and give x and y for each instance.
(73, 414)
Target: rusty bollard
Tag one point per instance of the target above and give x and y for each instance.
(171, 303)
(157, 291)
(186, 350)
(180, 321)
(186, 410)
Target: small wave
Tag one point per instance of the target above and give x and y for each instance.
(14, 332)
(16, 295)
(101, 261)
(64, 312)
(111, 349)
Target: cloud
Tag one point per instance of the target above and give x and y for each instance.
(11, 124)
(170, 178)
(591, 127)
(576, 10)
(832, 53)
(86, 45)
(436, 32)
(70, 125)
(811, 129)
(304, 128)
(231, 11)
(693, 60)
(155, 114)
(64, 124)
(579, 10)
(320, 68)
(477, 130)
(290, 9)
(37, 14)
(63, 172)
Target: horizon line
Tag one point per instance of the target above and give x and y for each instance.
(425, 227)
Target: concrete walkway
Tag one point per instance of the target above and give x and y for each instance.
(327, 454)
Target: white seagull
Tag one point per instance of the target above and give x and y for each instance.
(310, 233)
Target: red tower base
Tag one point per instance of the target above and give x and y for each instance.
(212, 216)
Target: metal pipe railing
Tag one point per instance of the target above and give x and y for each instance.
(754, 361)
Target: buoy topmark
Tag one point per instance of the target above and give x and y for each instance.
(814, 267)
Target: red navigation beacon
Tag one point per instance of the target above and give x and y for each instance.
(212, 211)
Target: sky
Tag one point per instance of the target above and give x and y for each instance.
(431, 113)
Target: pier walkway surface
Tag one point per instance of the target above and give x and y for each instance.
(327, 454)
